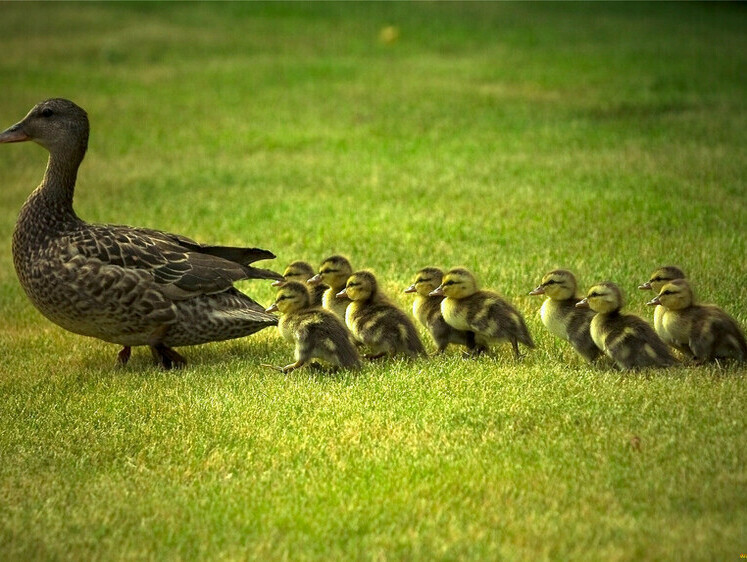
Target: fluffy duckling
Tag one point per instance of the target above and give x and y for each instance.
(658, 279)
(626, 339)
(485, 313)
(376, 322)
(315, 331)
(703, 331)
(302, 271)
(427, 310)
(334, 273)
(560, 315)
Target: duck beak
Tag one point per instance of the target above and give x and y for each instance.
(538, 291)
(583, 303)
(654, 301)
(272, 308)
(343, 294)
(437, 292)
(14, 134)
(278, 283)
(410, 289)
(315, 280)
(645, 287)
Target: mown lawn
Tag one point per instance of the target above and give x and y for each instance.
(510, 138)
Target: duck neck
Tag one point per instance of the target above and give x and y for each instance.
(55, 193)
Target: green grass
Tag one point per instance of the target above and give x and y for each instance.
(510, 138)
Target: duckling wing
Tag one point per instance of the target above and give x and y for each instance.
(181, 266)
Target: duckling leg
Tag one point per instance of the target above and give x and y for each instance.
(166, 357)
(373, 356)
(124, 356)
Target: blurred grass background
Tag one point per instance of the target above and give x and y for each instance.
(512, 138)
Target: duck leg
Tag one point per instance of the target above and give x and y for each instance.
(124, 356)
(166, 357)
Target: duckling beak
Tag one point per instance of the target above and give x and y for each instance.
(645, 287)
(278, 283)
(437, 292)
(538, 291)
(654, 301)
(315, 280)
(14, 134)
(410, 289)
(583, 303)
(272, 308)
(342, 294)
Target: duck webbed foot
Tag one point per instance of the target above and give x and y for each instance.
(124, 356)
(167, 358)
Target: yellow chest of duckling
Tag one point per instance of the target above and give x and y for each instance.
(599, 332)
(552, 317)
(674, 327)
(455, 313)
(334, 304)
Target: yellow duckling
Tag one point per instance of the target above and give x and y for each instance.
(376, 322)
(427, 310)
(316, 332)
(626, 339)
(560, 315)
(334, 273)
(485, 313)
(302, 271)
(703, 331)
(658, 279)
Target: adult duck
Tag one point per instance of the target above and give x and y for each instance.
(124, 285)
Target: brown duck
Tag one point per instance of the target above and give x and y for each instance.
(124, 285)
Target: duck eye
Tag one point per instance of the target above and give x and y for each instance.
(47, 112)
(550, 282)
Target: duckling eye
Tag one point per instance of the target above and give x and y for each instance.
(550, 282)
(353, 284)
(448, 283)
(668, 293)
(47, 112)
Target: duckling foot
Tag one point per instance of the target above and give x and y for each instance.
(124, 356)
(166, 357)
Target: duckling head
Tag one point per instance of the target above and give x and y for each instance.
(603, 298)
(661, 277)
(300, 271)
(675, 295)
(333, 272)
(559, 284)
(427, 280)
(458, 283)
(361, 285)
(56, 124)
(292, 296)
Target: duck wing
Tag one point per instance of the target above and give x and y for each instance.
(183, 267)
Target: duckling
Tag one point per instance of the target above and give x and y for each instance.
(659, 278)
(427, 310)
(334, 273)
(560, 315)
(302, 271)
(703, 331)
(315, 331)
(485, 313)
(375, 321)
(626, 339)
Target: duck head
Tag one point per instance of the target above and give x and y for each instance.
(427, 280)
(56, 124)
(675, 295)
(661, 277)
(299, 271)
(333, 272)
(458, 283)
(290, 297)
(361, 285)
(603, 298)
(559, 284)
